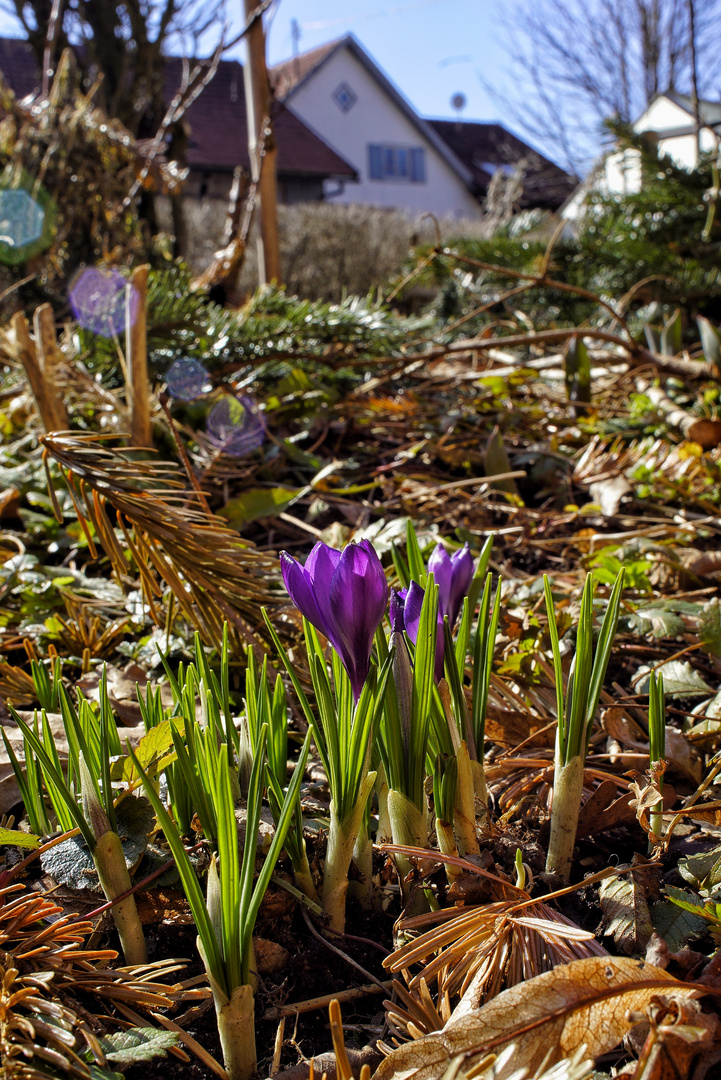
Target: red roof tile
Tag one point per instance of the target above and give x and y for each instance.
(218, 128)
(286, 76)
(483, 147)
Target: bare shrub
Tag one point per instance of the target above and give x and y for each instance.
(326, 250)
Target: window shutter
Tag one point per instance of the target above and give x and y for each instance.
(418, 165)
(375, 162)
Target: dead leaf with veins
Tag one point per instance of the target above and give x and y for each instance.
(624, 903)
(582, 1004)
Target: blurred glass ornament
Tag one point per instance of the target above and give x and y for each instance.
(97, 298)
(235, 427)
(25, 224)
(186, 379)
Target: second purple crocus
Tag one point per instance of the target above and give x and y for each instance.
(405, 612)
(453, 575)
(344, 595)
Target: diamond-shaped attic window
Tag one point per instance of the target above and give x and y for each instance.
(344, 97)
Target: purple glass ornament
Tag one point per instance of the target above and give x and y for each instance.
(97, 298)
(186, 379)
(235, 427)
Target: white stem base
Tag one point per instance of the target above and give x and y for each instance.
(567, 790)
(236, 1028)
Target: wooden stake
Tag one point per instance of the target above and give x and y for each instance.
(44, 398)
(137, 390)
(261, 147)
(49, 358)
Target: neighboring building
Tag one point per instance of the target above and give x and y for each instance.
(401, 161)
(669, 120)
(487, 147)
(217, 132)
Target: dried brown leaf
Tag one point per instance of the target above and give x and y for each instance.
(671, 1039)
(625, 909)
(585, 1003)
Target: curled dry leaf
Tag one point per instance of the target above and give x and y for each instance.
(671, 1038)
(585, 1003)
(624, 904)
(647, 796)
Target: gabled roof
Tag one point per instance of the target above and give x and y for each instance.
(219, 129)
(484, 147)
(289, 76)
(217, 119)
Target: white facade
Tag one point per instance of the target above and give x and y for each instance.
(351, 110)
(674, 127)
(670, 120)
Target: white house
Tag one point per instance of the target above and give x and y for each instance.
(340, 92)
(670, 120)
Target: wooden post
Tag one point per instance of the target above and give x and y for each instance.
(49, 356)
(137, 390)
(258, 99)
(42, 391)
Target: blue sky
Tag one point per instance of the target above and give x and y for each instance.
(431, 49)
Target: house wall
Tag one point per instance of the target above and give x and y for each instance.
(663, 116)
(202, 185)
(375, 119)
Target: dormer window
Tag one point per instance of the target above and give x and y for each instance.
(344, 97)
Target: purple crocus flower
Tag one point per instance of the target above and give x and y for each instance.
(344, 595)
(405, 611)
(453, 575)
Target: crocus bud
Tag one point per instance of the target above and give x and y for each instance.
(412, 605)
(93, 811)
(453, 575)
(403, 679)
(398, 603)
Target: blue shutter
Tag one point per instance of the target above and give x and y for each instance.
(418, 165)
(375, 163)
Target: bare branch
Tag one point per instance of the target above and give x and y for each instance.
(575, 63)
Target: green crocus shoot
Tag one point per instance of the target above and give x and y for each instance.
(343, 734)
(226, 918)
(657, 746)
(263, 707)
(470, 723)
(576, 713)
(95, 816)
(445, 777)
(404, 733)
